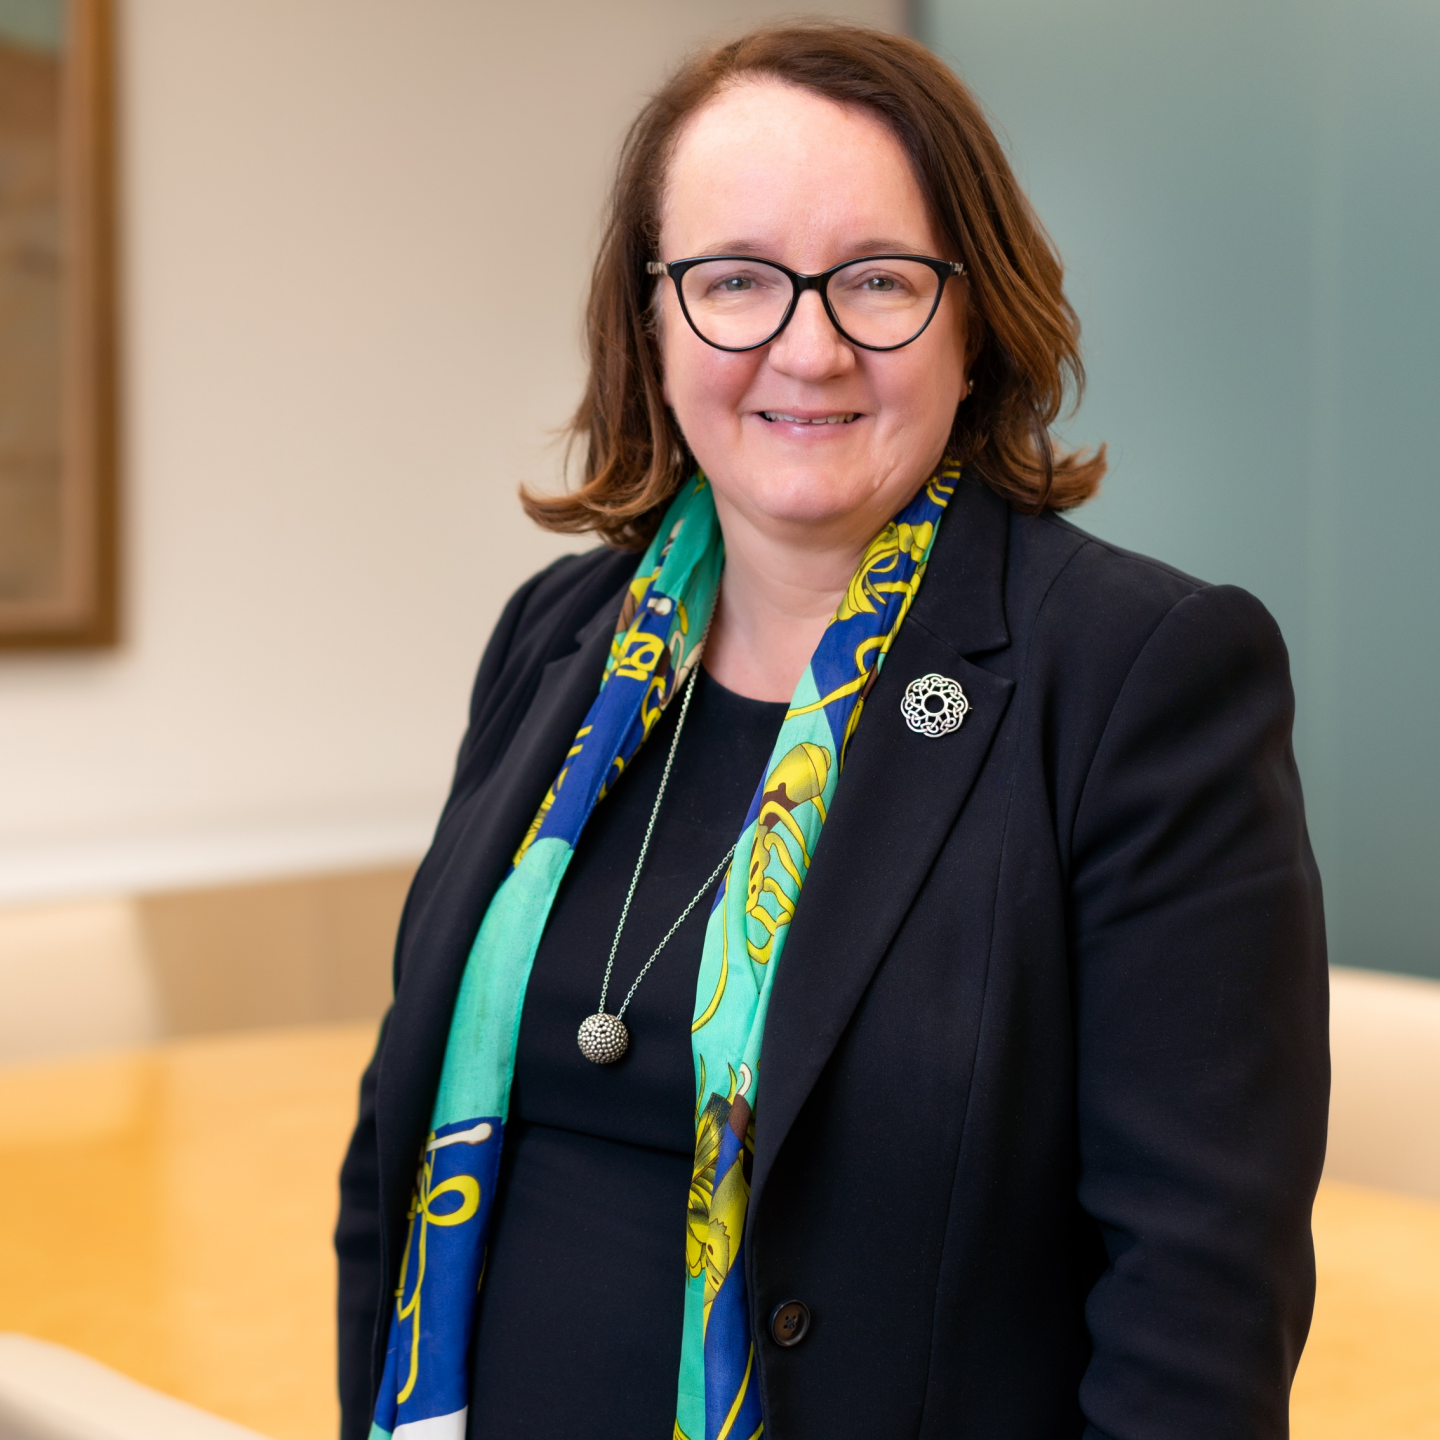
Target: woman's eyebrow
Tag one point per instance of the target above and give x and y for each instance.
(886, 245)
(737, 247)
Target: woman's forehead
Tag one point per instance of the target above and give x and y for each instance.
(762, 156)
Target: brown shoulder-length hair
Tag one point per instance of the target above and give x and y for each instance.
(1024, 337)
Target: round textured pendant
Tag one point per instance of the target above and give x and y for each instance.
(603, 1038)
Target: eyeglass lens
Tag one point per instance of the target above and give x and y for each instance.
(739, 303)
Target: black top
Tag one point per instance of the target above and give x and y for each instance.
(583, 1299)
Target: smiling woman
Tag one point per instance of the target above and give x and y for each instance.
(999, 1112)
(923, 143)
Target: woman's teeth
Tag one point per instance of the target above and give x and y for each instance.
(801, 420)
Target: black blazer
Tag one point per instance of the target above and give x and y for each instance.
(1045, 1066)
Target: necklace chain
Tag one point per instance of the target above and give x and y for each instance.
(640, 865)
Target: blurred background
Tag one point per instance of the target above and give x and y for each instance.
(352, 240)
(1247, 197)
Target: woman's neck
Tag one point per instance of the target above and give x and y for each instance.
(778, 594)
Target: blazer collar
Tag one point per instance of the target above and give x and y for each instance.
(962, 600)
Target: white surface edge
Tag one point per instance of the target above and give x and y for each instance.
(49, 1392)
(185, 858)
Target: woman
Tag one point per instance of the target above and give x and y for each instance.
(922, 1032)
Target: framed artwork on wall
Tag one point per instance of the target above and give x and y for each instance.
(58, 496)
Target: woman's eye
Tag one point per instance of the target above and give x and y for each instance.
(731, 285)
(887, 285)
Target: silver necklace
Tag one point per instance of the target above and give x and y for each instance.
(604, 1038)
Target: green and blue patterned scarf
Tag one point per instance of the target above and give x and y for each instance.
(425, 1388)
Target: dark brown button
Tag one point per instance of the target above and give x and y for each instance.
(790, 1322)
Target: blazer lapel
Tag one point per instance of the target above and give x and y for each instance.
(897, 801)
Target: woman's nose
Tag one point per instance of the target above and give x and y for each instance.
(810, 347)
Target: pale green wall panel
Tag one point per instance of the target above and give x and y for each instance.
(39, 24)
(1247, 197)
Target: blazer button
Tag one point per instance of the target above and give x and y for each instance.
(790, 1322)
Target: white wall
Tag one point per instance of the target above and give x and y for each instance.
(1385, 1090)
(355, 240)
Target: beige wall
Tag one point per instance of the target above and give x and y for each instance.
(355, 239)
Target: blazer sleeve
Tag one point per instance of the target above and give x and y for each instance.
(1202, 1051)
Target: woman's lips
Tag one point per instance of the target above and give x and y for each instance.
(785, 417)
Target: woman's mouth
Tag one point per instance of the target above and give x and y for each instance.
(780, 415)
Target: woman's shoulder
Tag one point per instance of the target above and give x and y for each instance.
(1071, 584)
(1058, 600)
(1095, 629)
(548, 617)
(563, 598)
(1100, 570)
(1140, 679)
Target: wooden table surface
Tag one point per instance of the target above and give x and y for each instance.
(169, 1213)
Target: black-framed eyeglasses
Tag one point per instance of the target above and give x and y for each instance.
(879, 302)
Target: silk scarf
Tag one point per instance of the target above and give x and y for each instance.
(424, 1390)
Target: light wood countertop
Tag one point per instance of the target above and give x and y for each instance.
(169, 1212)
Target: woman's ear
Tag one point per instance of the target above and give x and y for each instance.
(974, 344)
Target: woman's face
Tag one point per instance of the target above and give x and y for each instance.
(808, 433)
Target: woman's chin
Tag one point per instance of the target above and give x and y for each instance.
(836, 489)
(820, 498)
